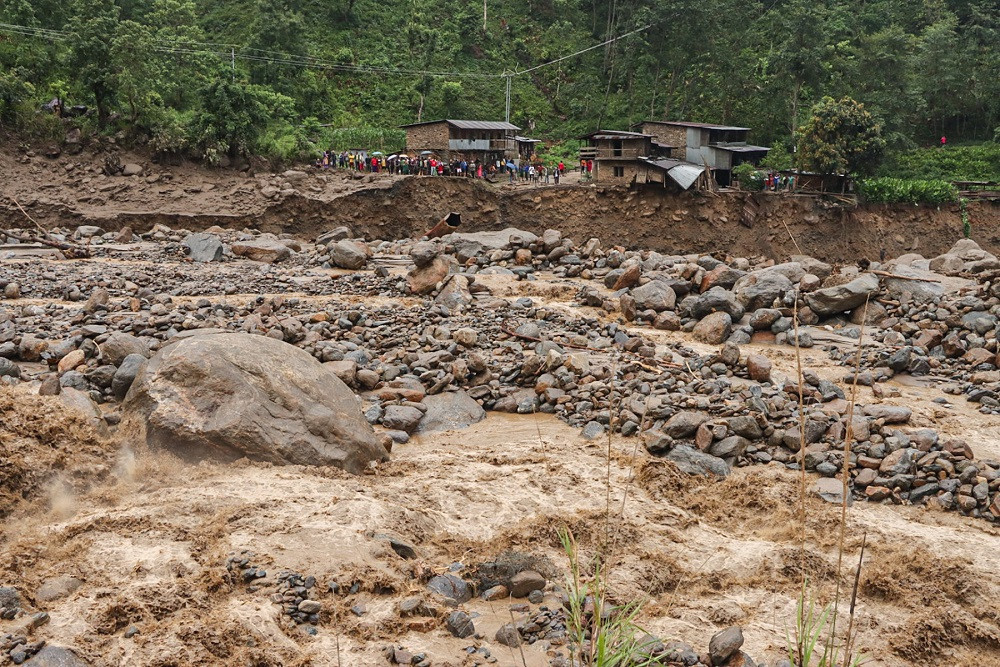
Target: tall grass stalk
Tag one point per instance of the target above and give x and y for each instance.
(811, 625)
(845, 484)
(600, 635)
(802, 441)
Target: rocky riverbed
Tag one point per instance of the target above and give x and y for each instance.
(670, 378)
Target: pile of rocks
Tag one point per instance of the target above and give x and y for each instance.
(240, 568)
(16, 645)
(293, 595)
(461, 350)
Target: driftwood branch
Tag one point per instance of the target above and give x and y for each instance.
(70, 250)
(886, 274)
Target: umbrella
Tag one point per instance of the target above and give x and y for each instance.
(392, 157)
(427, 152)
(377, 153)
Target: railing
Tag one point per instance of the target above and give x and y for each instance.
(611, 153)
(481, 144)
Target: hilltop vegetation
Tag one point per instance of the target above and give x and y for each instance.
(215, 77)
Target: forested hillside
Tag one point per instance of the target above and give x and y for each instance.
(216, 76)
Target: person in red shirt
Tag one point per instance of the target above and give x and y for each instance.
(562, 167)
(590, 166)
(944, 140)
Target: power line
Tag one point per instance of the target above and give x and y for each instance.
(589, 48)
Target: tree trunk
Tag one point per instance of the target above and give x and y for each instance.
(795, 107)
(420, 109)
(102, 107)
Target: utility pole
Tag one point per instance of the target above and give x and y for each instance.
(509, 77)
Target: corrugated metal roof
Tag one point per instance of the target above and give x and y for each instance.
(616, 134)
(526, 140)
(470, 124)
(483, 125)
(704, 126)
(742, 149)
(681, 172)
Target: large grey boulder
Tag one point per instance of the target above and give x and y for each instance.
(841, 298)
(448, 411)
(654, 295)
(262, 250)
(228, 396)
(695, 462)
(348, 254)
(125, 374)
(714, 300)
(497, 240)
(203, 247)
(760, 288)
(919, 289)
(56, 656)
(120, 345)
(812, 265)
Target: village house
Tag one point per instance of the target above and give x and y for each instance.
(721, 148)
(616, 154)
(485, 140)
(629, 158)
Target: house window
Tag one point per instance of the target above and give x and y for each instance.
(619, 172)
(616, 147)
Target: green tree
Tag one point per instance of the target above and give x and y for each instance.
(942, 74)
(234, 117)
(277, 34)
(451, 91)
(95, 25)
(841, 137)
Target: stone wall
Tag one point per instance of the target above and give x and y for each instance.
(668, 134)
(604, 172)
(429, 137)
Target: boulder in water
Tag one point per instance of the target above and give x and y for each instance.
(228, 396)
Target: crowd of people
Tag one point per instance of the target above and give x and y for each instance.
(531, 171)
(774, 181)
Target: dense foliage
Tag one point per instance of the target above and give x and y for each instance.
(841, 137)
(963, 163)
(168, 71)
(888, 190)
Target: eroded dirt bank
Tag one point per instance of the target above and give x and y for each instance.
(390, 207)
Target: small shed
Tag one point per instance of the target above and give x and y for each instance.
(526, 146)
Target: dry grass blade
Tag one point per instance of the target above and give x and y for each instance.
(849, 648)
(845, 478)
(520, 648)
(800, 648)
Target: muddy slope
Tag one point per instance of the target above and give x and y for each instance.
(388, 207)
(650, 218)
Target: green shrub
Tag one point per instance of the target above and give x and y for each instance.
(906, 191)
(953, 163)
(566, 151)
(749, 177)
(388, 140)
